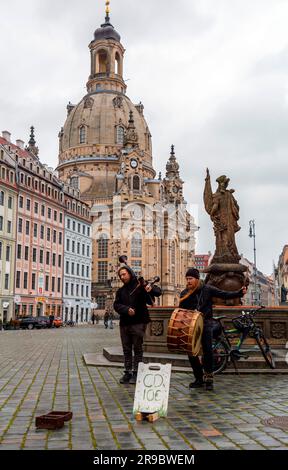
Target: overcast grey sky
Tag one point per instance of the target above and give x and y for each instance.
(212, 75)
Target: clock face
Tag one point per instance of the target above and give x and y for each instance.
(133, 163)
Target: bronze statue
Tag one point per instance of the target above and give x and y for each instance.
(224, 213)
(225, 271)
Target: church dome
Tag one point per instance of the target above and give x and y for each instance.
(106, 31)
(98, 126)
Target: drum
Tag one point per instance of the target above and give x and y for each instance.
(185, 331)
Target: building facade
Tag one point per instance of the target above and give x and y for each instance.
(202, 262)
(281, 276)
(77, 259)
(8, 214)
(105, 150)
(261, 292)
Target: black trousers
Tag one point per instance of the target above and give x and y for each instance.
(207, 357)
(132, 337)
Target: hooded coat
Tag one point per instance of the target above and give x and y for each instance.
(131, 296)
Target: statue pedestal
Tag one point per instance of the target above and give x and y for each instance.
(226, 276)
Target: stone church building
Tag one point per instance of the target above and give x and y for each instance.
(105, 151)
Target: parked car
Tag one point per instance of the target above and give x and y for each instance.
(34, 322)
(57, 322)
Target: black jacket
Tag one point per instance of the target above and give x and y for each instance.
(201, 299)
(126, 298)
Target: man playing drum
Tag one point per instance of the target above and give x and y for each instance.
(198, 296)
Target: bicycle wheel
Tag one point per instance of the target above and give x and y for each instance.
(265, 350)
(220, 356)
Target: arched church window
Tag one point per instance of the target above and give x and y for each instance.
(74, 182)
(103, 246)
(101, 61)
(136, 183)
(136, 246)
(117, 64)
(120, 135)
(82, 135)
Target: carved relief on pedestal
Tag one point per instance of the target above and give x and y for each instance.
(156, 328)
(278, 330)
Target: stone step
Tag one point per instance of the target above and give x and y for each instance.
(255, 361)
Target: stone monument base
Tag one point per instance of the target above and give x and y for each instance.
(226, 276)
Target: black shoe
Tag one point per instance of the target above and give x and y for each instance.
(125, 379)
(133, 379)
(208, 379)
(197, 384)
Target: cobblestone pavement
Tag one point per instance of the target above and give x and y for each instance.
(43, 370)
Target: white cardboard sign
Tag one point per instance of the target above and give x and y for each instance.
(152, 388)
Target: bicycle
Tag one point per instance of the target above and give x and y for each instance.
(244, 326)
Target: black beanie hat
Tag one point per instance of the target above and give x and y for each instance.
(193, 272)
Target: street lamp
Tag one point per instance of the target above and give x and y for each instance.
(252, 234)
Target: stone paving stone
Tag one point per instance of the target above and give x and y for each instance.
(236, 408)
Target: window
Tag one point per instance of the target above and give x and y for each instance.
(48, 234)
(6, 287)
(59, 261)
(26, 253)
(53, 284)
(79, 228)
(2, 198)
(21, 202)
(20, 225)
(72, 268)
(54, 236)
(35, 230)
(88, 251)
(68, 223)
(33, 283)
(68, 244)
(83, 230)
(136, 183)
(83, 269)
(1, 222)
(173, 263)
(61, 218)
(83, 249)
(66, 288)
(82, 291)
(0, 250)
(72, 289)
(78, 248)
(10, 202)
(74, 225)
(8, 250)
(100, 300)
(87, 271)
(102, 271)
(77, 290)
(41, 257)
(60, 238)
(59, 284)
(25, 282)
(137, 266)
(19, 249)
(120, 135)
(67, 267)
(73, 246)
(78, 269)
(54, 259)
(74, 182)
(103, 246)
(47, 258)
(87, 292)
(34, 258)
(55, 216)
(9, 226)
(49, 213)
(88, 231)
(28, 204)
(42, 232)
(18, 279)
(43, 211)
(136, 246)
(82, 135)
(27, 227)
(46, 283)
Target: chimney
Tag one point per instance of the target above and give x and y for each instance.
(6, 135)
(20, 144)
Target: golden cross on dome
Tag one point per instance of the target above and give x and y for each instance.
(107, 7)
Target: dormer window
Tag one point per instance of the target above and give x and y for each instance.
(74, 182)
(120, 135)
(82, 135)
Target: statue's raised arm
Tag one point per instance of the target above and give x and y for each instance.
(208, 199)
